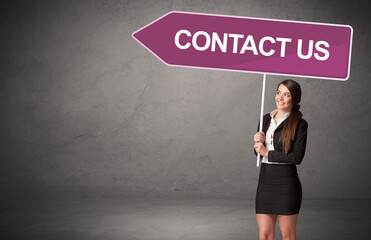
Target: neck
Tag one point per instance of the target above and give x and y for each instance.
(281, 113)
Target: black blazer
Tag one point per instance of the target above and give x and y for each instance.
(296, 154)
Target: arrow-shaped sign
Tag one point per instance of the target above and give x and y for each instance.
(257, 45)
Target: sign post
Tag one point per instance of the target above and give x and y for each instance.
(256, 45)
(261, 116)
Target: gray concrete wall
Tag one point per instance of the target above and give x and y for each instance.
(85, 108)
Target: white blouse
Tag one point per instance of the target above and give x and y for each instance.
(270, 133)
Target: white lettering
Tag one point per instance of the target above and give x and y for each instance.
(222, 46)
(283, 44)
(322, 50)
(261, 46)
(246, 47)
(194, 41)
(310, 49)
(235, 40)
(177, 35)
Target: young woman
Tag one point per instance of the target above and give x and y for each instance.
(281, 146)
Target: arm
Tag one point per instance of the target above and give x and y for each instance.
(297, 152)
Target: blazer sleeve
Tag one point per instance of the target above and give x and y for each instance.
(297, 152)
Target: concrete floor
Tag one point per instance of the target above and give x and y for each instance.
(187, 219)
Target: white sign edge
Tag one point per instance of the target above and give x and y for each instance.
(246, 71)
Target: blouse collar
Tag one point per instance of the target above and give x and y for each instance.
(284, 116)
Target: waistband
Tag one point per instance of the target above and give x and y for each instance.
(284, 170)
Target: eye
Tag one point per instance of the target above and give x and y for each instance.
(287, 95)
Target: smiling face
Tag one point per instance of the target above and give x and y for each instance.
(283, 99)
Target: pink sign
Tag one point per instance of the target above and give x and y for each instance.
(279, 47)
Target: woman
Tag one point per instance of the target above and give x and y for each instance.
(281, 145)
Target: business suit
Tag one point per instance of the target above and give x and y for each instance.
(296, 154)
(279, 189)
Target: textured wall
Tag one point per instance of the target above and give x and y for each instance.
(86, 108)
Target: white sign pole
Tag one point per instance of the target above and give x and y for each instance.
(261, 116)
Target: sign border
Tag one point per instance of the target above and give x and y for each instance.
(255, 18)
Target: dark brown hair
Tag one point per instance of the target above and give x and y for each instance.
(288, 132)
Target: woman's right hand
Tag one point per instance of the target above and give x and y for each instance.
(259, 137)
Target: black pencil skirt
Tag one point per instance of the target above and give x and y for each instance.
(279, 190)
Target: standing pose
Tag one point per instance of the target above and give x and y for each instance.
(281, 145)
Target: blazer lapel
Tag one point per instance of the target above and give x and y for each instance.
(282, 124)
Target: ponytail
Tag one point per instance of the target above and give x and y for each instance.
(288, 132)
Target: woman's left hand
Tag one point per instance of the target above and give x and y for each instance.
(260, 148)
